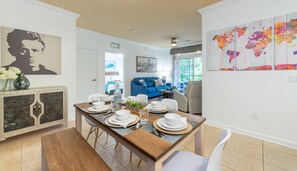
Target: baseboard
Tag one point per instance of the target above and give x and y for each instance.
(271, 139)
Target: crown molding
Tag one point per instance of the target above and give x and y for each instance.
(216, 6)
(52, 8)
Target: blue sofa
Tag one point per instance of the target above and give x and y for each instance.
(148, 88)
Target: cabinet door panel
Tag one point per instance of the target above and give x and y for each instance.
(17, 112)
(53, 106)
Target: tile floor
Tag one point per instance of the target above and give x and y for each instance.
(242, 153)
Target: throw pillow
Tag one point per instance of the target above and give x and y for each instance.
(141, 82)
(158, 82)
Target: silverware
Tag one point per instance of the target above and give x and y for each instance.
(165, 135)
(108, 112)
(137, 126)
(156, 132)
(161, 134)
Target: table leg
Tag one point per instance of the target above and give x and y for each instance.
(78, 123)
(154, 166)
(198, 142)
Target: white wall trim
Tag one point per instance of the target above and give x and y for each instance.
(271, 139)
(52, 8)
(216, 5)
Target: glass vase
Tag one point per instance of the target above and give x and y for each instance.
(8, 85)
(21, 82)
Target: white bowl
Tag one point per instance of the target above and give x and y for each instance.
(98, 105)
(122, 114)
(172, 119)
(156, 104)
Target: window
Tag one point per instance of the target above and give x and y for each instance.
(190, 69)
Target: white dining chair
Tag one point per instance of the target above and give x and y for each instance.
(182, 160)
(94, 127)
(170, 104)
(142, 98)
(94, 97)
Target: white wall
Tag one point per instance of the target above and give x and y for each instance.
(229, 98)
(87, 39)
(35, 16)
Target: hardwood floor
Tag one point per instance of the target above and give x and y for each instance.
(242, 153)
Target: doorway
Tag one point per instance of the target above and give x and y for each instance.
(86, 77)
(114, 72)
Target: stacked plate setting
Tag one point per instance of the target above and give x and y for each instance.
(172, 122)
(122, 118)
(104, 108)
(162, 124)
(156, 106)
(113, 120)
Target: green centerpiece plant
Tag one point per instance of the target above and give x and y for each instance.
(132, 104)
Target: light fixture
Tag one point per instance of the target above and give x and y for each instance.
(173, 42)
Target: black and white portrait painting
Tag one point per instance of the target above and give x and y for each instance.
(146, 64)
(33, 53)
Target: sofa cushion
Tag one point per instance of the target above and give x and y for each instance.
(159, 88)
(150, 81)
(151, 89)
(166, 87)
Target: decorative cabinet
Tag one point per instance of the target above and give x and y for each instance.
(23, 111)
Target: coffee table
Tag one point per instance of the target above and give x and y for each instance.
(167, 93)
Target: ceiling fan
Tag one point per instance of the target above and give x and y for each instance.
(175, 42)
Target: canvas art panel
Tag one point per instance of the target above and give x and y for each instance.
(33, 53)
(146, 64)
(221, 50)
(285, 33)
(254, 45)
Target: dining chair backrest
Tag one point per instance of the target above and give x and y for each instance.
(170, 104)
(214, 163)
(142, 98)
(94, 97)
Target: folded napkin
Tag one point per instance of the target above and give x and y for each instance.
(125, 123)
(184, 120)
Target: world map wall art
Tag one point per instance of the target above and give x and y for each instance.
(262, 45)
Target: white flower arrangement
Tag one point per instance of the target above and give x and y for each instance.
(9, 74)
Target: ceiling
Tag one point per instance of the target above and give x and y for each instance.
(151, 22)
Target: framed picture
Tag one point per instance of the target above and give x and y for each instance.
(285, 31)
(146, 64)
(221, 50)
(33, 53)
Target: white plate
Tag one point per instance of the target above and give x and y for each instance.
(162, 108)
(105, 108)
(164, 124)
(161, 123)
(115, 121)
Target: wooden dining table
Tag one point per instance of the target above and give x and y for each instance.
(145, 144)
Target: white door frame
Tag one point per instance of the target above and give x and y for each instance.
(124, 68)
